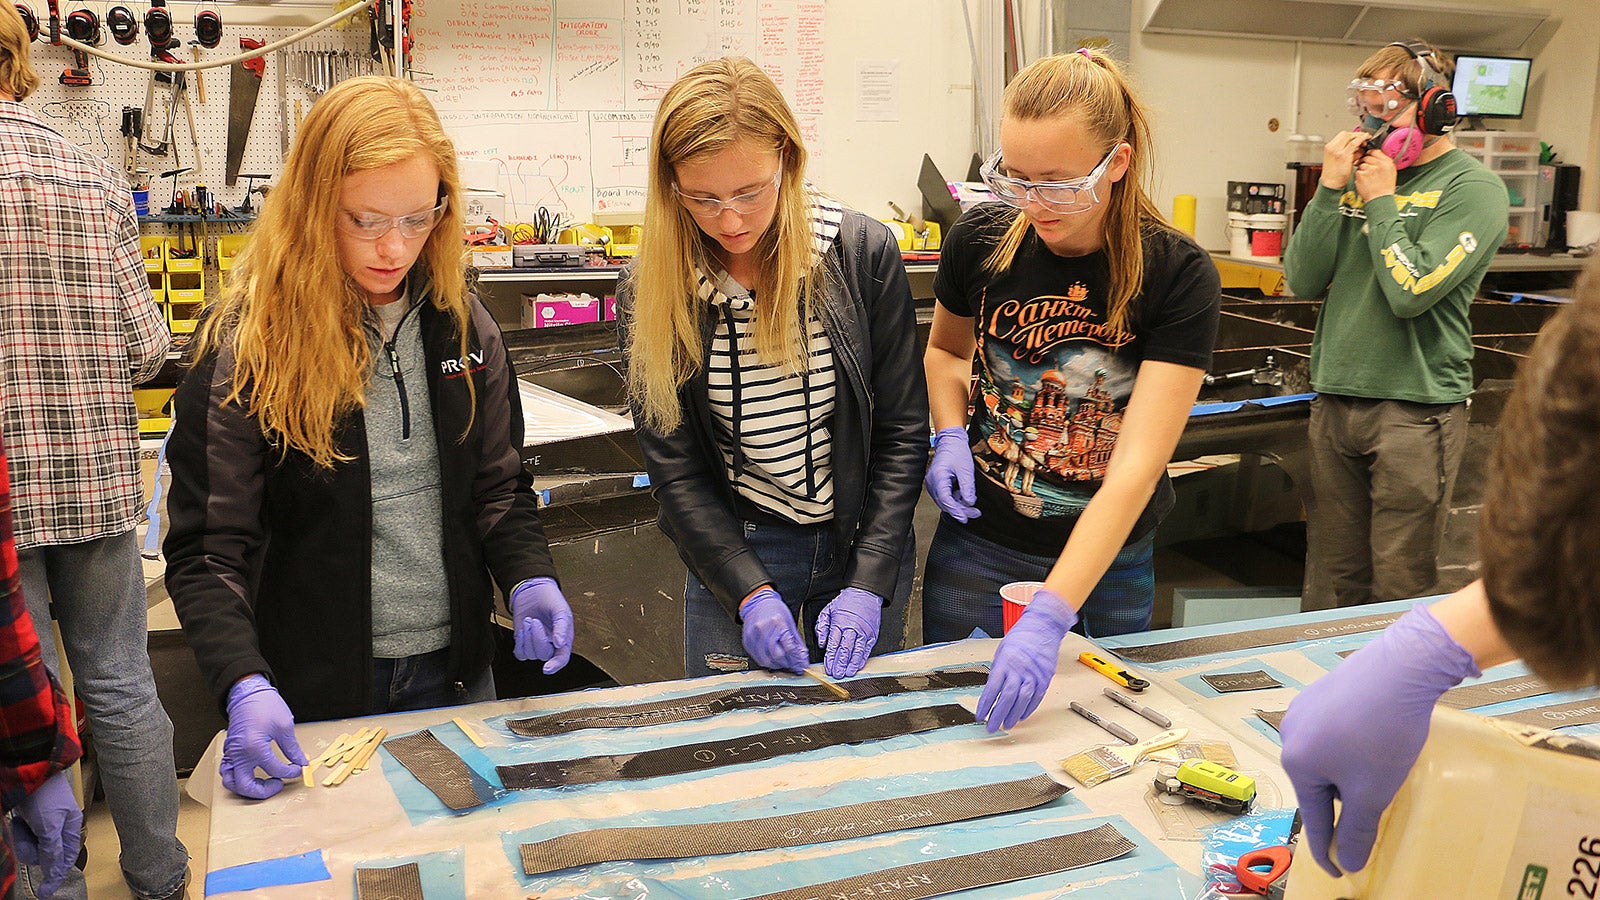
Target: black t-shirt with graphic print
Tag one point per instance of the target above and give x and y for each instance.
(1053, 378)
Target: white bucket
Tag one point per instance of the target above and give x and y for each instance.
(1259, 235)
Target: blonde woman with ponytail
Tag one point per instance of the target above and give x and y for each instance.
(771, 346)
(1088, 322)
(348, 487)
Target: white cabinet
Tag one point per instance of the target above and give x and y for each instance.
(1514, 156)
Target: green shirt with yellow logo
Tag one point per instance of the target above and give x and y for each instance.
(1399, 275)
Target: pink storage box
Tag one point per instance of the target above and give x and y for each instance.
(548, 310)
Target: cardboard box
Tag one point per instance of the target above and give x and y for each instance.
(610, 308)
(549, 310)
(494, 256)
(481, 206)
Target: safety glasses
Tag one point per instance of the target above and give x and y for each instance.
(371, 226)
(744, 204)
(1074, 195)
(1389, 89)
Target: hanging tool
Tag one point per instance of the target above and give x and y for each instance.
(243, 87)
(158, 29)
(29, 21)
(207, 34)
(203, 200)
(283, 113)
(83, 26)
(245, 208)
(123, 25)
(132, 126)
(173, 208)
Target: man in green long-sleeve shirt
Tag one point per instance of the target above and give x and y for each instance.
(1400, 253)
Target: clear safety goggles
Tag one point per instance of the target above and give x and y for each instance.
(1383, 95)
(744, 204)
(371, 226)
(1074, 195)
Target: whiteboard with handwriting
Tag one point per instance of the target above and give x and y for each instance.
(559, 94)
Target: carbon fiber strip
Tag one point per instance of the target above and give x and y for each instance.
(729, 751)
(815, 827)
(700, 706)
(1494, 692)
(1273, 717)
(1560, 715)
(440, 770)
(1231, 682)
(1246, 640)
(396, 883)
(998, 866)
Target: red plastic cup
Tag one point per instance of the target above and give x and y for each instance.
(1014, 598)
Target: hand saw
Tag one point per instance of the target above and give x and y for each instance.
(243, 86)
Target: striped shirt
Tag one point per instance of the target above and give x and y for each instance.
(78, 329)
(773, 426)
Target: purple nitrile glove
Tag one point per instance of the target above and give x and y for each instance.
(848, 627)
(258, 717)
(770, 635)
(1333, 745)
(950, 479)
(48, 830)
(1025, 661)
(544, 623)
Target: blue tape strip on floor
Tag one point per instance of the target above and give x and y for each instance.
(443, 873)
(302, 869)
(421, 805)
(778, 804)
(1199, 686)
(1144, 873)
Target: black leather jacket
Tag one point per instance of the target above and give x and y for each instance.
(880, 432)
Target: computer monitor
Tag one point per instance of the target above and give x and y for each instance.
(1491, 86)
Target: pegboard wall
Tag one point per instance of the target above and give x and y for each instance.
(92, 116)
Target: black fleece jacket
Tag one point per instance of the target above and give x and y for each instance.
(269, 555)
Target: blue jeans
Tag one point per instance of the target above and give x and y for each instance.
(962, 581)
(423, 682)
(96, 590)
(805, 570)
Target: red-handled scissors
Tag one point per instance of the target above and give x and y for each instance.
(1260, 872)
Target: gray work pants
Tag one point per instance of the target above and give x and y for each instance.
(1382, 472)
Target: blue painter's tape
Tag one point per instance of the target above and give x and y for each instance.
(544, 497)
(1285, 400)
(641, 481)
(1211, 409)
(302, 869)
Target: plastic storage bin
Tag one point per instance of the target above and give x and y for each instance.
(1489, 810)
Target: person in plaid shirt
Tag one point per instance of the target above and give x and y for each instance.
(37, 738)
(78, 329)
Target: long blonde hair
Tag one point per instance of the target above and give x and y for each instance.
(1089, 86)
(712, 107)
(292, 317)
(17, 76)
